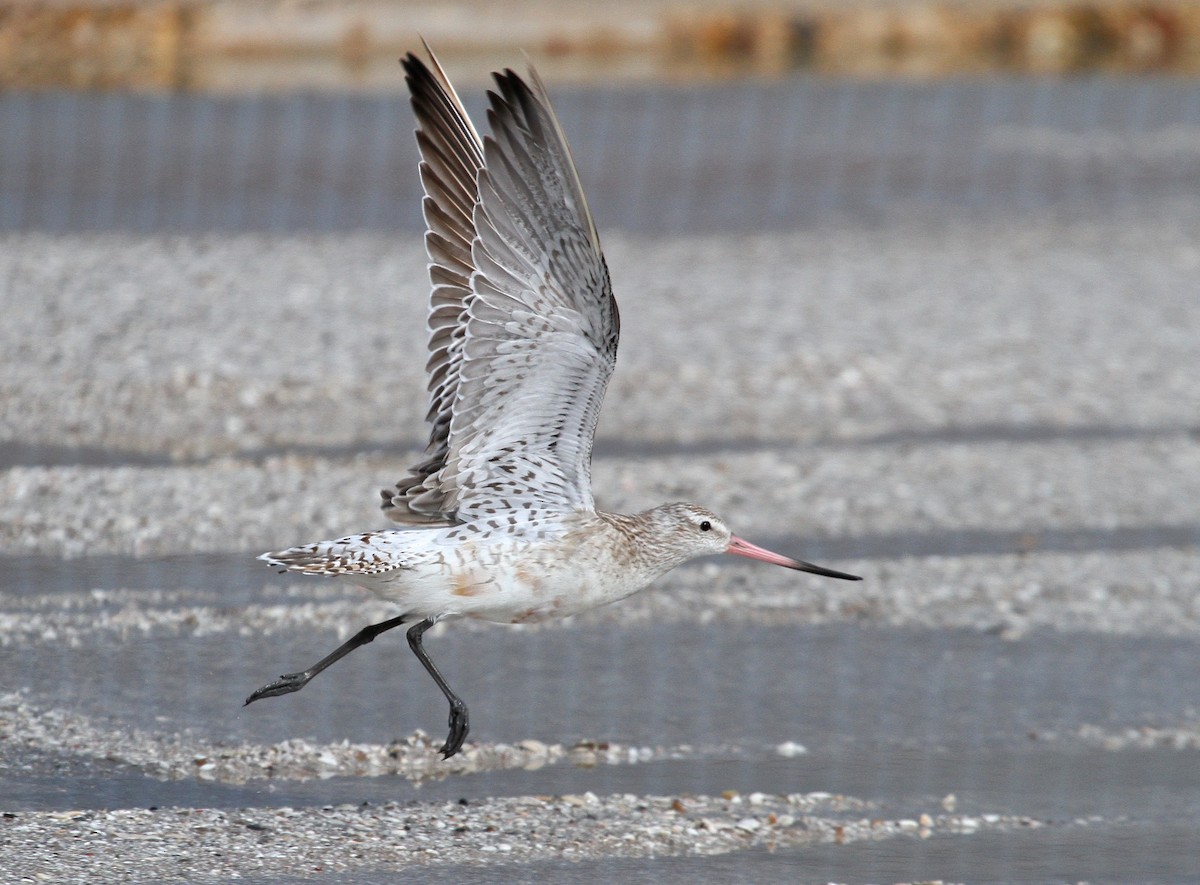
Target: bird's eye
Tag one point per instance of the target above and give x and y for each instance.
(705, 526)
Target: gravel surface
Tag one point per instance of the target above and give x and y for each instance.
(992, 420)
(205, 345)
(803, 490)
(207, 845)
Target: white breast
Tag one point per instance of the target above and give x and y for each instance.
(538, 573)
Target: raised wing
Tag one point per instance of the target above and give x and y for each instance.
(451, 158)
(542, 327)
(537, 338)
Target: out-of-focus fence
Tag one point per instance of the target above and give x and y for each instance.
(729, 157)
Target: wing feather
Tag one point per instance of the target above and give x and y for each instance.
(543, 326)
(451, 158)
(523, 322)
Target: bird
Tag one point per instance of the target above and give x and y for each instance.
(498, 520)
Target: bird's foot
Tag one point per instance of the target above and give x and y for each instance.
(285, 684)
(459, 726)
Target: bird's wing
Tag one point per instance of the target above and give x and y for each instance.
(451, 158)
(523, 326)
(542, 326)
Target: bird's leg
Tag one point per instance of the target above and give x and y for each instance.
(459, 716)
(296, 681)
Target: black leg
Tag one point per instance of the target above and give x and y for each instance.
(459, 716)
(296, 681)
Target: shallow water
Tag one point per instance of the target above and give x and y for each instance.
(901, 718)
(898, 717)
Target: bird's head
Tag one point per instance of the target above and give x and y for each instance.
(689, 530)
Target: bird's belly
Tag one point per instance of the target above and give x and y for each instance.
(507, 582)
(529, 595)
(520, 594)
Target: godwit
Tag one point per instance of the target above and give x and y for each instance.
(523, 333)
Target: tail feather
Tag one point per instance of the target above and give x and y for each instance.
(355, 555)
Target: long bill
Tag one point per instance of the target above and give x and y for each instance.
(738, 547)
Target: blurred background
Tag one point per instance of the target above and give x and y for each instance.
(909, 289)
(246, 47)
(289, 116)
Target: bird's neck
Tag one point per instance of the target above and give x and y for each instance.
(636, 540)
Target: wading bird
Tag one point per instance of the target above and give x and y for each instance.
(523, 333)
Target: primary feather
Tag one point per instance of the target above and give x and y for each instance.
(523, 326)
